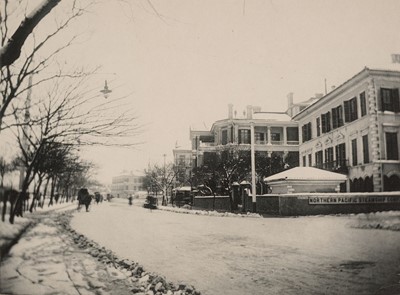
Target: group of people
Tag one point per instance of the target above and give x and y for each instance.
(85, 198)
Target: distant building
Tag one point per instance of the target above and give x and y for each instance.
(354, 130)
(126, 184)
(183, 161)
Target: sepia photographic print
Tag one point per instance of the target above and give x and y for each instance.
(176, 147)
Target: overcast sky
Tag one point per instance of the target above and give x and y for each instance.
(185, 65)
(185, 62)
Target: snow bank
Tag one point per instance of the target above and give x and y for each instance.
(10, 233)
(208, 213)
(389, 220)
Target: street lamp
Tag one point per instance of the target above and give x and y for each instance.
(105, 91)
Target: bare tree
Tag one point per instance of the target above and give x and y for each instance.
(68, 116)
(160, 179)
(11, 48)
(18, 66)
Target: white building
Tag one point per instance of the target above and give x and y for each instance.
(126, 184)
(355, 129)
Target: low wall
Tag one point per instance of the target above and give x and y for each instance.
(207, 202)
(327, 203)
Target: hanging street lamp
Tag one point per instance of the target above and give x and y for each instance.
(105, 91)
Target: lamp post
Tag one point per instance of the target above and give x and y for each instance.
(106, 91)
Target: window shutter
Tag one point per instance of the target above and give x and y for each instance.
(323, 120)
(340, 115)
(380, 100)
(354, 114)
(334, 118)
(396, 102)
(328, 121)
(347, 111)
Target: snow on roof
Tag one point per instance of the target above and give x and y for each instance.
(306, 173)
(273, 116)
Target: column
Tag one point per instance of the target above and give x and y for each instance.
(285, 135)
(236, 134)
(374, 136)
(269, 135)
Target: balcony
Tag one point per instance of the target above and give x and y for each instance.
(341, 166)
(277, 142)
(292, 142)
(207, 144)
(261, 141)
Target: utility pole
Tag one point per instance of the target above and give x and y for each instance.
(253, 169)
(165, 184)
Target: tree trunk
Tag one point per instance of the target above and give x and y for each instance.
(53, 185)
(36, 193)
(45, 191)
(12, 50)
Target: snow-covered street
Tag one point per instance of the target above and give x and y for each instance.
(226, 255)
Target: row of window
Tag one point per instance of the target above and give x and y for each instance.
(245, 136)
(392, 152)
(340, 152)
(336, 117)
(348, 112)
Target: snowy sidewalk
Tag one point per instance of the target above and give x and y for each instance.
(47, 261)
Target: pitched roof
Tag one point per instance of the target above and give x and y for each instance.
(306, 173)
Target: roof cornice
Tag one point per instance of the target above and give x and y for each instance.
(366, 72)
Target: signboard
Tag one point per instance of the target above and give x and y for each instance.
(330, 200)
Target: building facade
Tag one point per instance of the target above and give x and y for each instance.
(274, 132)
(354, 130)
(126, 184)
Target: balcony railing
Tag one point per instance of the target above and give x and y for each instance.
(261, 141)
(341, 166)
(292, 142)
(207, 144)
(277, 142)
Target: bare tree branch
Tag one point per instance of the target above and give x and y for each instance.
(12, 50)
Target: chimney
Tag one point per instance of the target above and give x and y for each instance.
(333, 87)
(256, 109)
(318, 95)
(230, 111)
(290, 99)
(249, 112)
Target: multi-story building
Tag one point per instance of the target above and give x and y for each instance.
(274, 132)
(126, 184)
(355, 129)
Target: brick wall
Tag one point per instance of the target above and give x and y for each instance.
(222, 203)
(315, 204)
